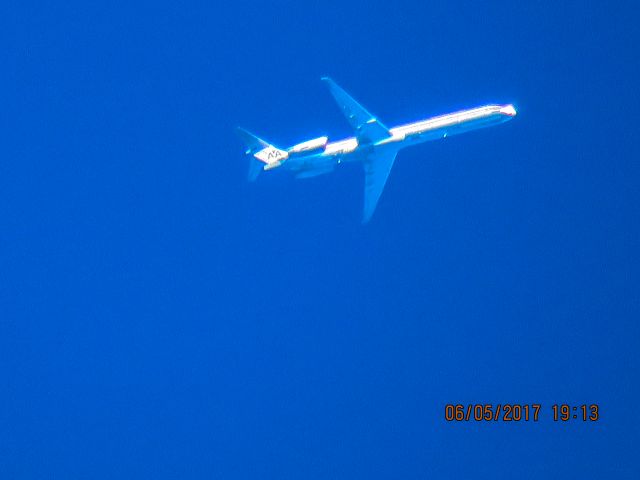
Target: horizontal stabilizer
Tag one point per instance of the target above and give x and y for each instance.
(255, 167)
(253, 143)
(262, 152)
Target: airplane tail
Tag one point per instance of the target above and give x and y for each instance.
(264, 156)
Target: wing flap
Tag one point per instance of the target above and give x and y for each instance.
(367, 127)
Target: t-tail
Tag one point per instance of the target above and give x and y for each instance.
(264, 156)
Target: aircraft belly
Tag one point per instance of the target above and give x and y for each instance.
(443, 131)
(314, 173)
(313, 165)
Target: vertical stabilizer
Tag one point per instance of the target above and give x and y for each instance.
(261, 153)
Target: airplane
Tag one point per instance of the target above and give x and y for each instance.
(374, 145)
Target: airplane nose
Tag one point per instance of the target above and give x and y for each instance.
(508, 110)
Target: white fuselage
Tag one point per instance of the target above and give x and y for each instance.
(323, 160)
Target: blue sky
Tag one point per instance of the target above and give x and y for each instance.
(162, 318)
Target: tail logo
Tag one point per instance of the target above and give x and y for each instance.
(271, 155)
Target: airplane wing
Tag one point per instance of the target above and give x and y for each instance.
(376, 171)
(368, 128)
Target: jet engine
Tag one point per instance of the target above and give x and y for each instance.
(308, 146)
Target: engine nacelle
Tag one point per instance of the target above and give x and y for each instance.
(308, 146)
